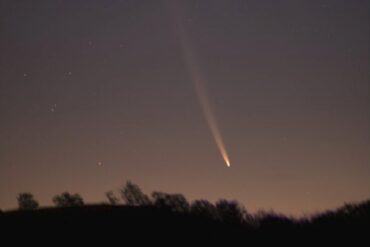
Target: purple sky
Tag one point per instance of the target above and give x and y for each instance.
(83, 82)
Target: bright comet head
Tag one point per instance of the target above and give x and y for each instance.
(227, 163)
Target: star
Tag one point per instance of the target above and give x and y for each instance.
(53, 107)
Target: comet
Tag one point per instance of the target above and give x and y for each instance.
(210, 117)
(193, 68)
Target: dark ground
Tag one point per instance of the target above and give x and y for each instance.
(128, 225)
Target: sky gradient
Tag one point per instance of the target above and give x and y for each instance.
(83, 82)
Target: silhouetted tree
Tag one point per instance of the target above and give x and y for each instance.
(112, 199)
(272, 220)
(26, 201)
(349, 216)
(360, 210)
(133, 196)
(230, 211)
(68, 200)
(173, 202)
(204, 208)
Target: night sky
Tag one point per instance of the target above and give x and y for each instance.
(93, 93)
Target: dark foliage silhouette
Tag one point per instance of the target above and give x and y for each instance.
(133, 196)
(112, 199)
(172, 202)
(26, 201)
(350, 217)
(204, 209)
(271, 220)
(68, 200)
(230, 211)
(170, 216)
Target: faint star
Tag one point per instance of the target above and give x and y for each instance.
(52, 108)
(100, 163)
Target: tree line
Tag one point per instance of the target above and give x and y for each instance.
(132, 195)
(230, 212)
